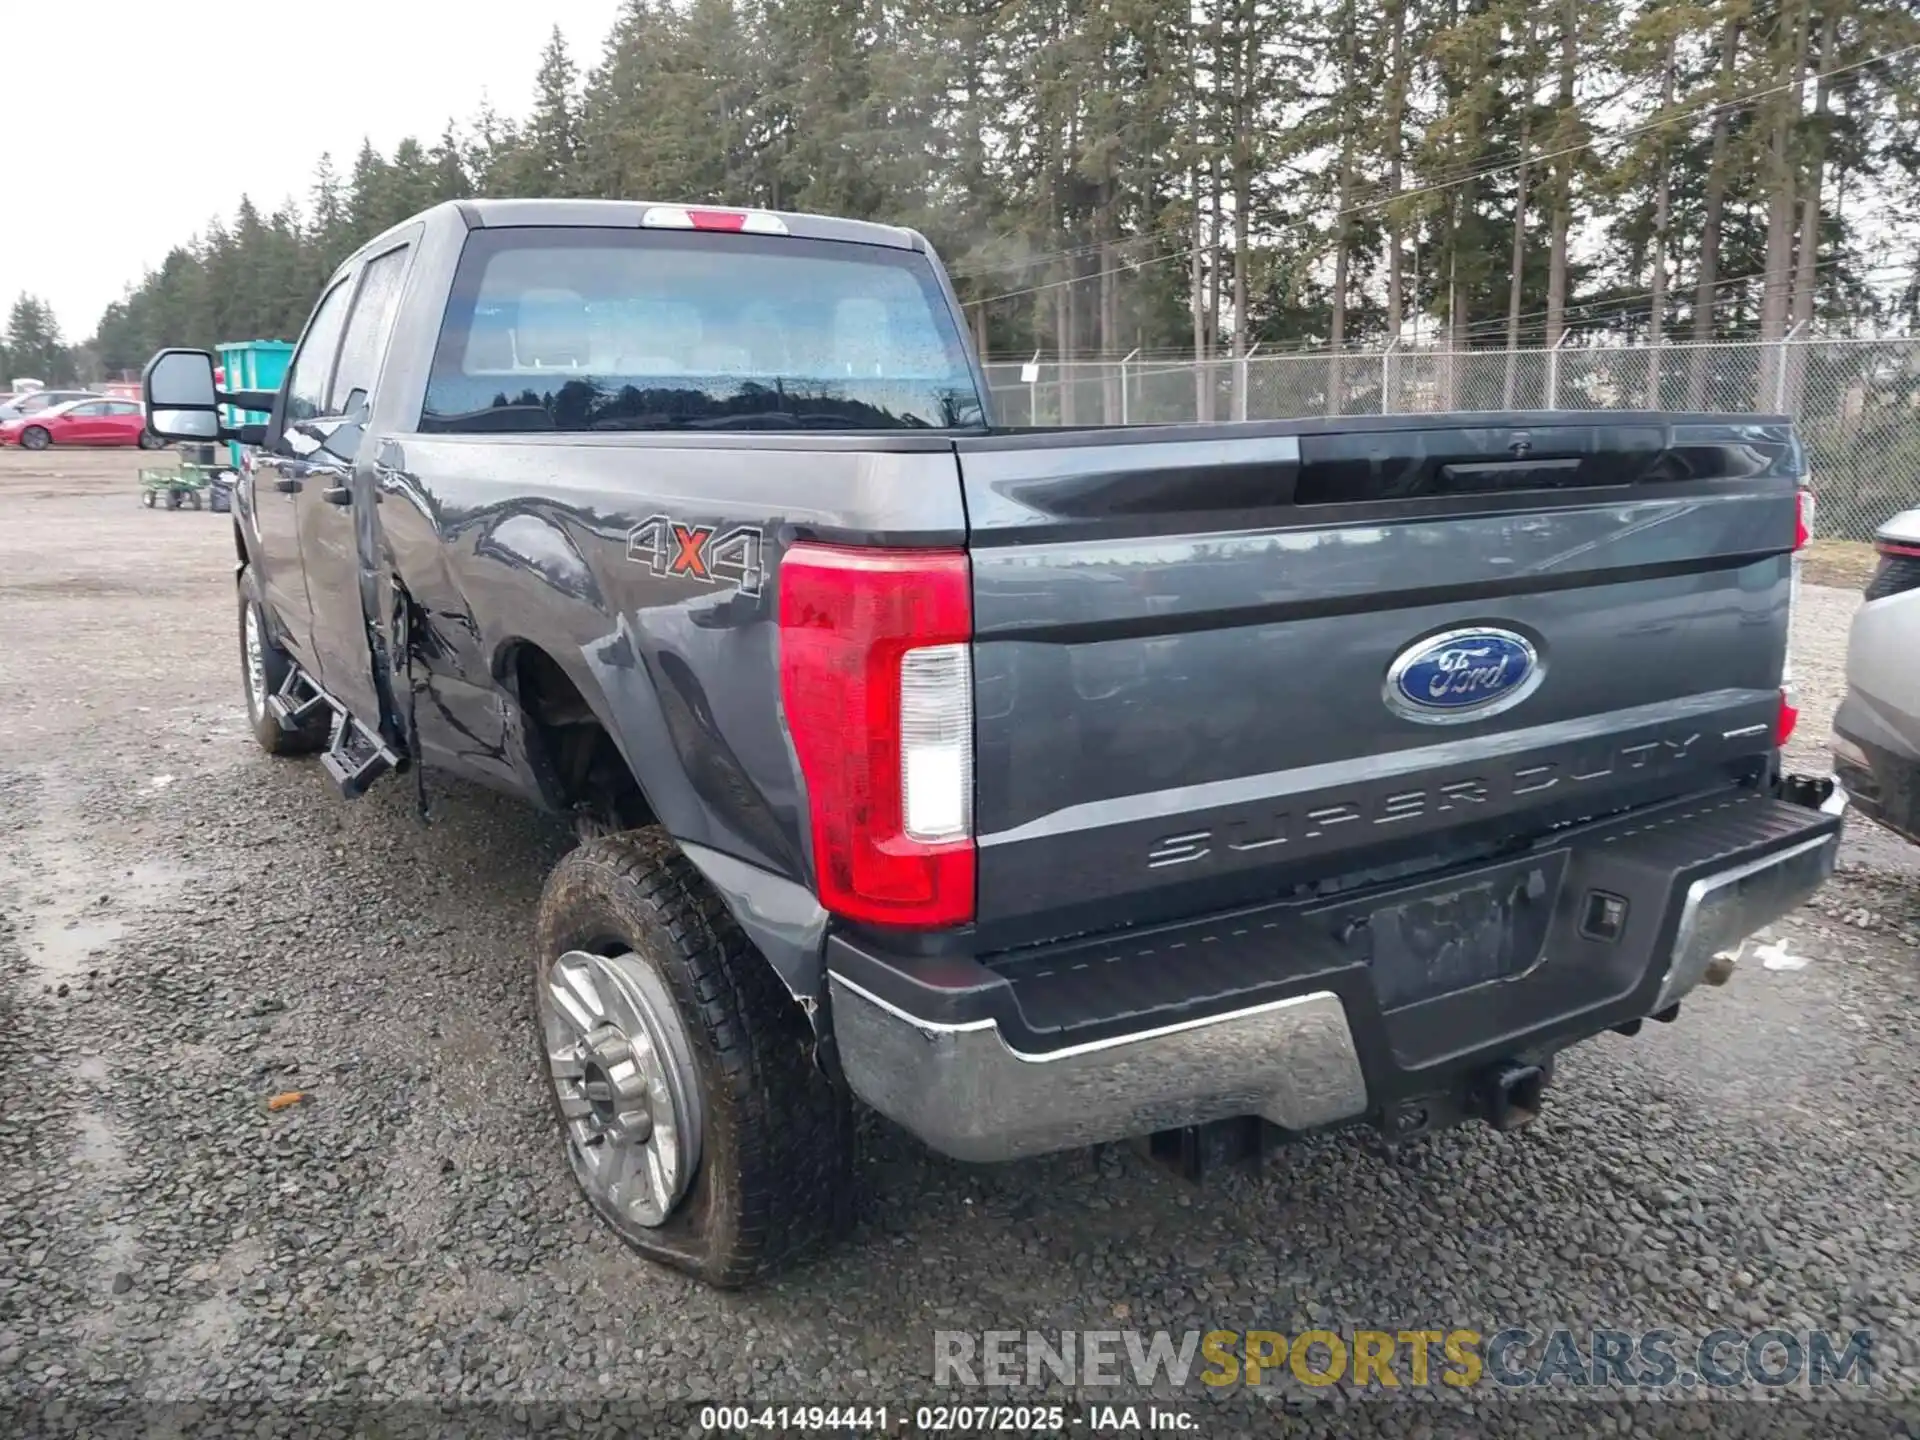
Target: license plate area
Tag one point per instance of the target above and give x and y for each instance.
(1450, 935)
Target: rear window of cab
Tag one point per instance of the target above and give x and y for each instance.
(596, 329)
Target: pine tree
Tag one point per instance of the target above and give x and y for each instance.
(34, 347)
(368, 211)
(327, 218)
(448, 178)
(1194, 178)
(547, 156)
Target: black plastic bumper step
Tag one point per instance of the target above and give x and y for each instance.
(1151, 977)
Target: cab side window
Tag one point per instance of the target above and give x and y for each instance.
(312, 368)
(365, 343)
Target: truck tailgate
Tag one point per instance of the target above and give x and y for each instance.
(1186, 645)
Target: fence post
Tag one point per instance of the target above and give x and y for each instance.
(1030, 372)
(1386, 375)
(1240, 382)
(1553, 371)
(1125, 361)
(1780, 370)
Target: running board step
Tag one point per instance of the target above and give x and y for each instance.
(298, 700)
(355, 757)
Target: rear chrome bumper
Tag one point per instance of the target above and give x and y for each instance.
(1722, 910)
(963, 1088)
(967, 1093)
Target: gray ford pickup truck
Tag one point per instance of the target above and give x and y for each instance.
(1199, 785)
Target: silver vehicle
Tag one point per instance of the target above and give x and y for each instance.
(32, 402)
(1876, 733)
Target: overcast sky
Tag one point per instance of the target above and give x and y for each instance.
(115, 115)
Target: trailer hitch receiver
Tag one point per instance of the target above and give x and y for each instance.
(1510, 1093)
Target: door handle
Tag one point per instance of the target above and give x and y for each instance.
(287, 486)
(337, 495)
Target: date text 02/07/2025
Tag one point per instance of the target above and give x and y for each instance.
(946, 1419)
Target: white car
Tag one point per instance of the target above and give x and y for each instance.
(1876, 733)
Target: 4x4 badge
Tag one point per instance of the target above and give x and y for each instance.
(673, 550)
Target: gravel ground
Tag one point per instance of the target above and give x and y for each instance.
(188, 928)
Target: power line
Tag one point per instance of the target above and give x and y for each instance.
(1692, 113)
(1469, 177)
(1438, 187)
(1676, 295)
(1616, 308)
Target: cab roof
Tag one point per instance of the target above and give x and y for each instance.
(494, 214)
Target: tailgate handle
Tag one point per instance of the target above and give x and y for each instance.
(1512, 474)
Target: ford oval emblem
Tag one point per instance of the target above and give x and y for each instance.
(1463, 675)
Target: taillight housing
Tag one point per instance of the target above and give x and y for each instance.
(695, 217)
(1898, 570)
(876, 680)
(1788, 715)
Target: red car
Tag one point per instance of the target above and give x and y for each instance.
(100, 421)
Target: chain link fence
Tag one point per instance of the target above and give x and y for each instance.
(1856, 402)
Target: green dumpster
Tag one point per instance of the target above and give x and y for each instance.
(250, 365)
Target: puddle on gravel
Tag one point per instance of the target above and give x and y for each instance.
(77, 928)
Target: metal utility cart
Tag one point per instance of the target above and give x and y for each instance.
(198, 481)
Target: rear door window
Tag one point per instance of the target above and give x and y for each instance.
(365, 341)
(312, 367)
(619, 329)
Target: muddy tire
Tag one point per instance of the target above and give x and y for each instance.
(263, 669)
(628, 931)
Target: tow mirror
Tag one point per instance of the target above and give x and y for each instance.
(182, 400)
(178, 396)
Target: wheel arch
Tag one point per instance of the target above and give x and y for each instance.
(572, 732)
(569, 741)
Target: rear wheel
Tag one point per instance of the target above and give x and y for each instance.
(695, 1116)
(35, 437)
(263, 669)
(150, 441)
(146, 498)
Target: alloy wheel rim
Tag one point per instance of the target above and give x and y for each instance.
(622, 1068)
(256, 664)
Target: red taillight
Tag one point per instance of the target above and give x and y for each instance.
(876, 679)
(1898, 571)
(1789, 712)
